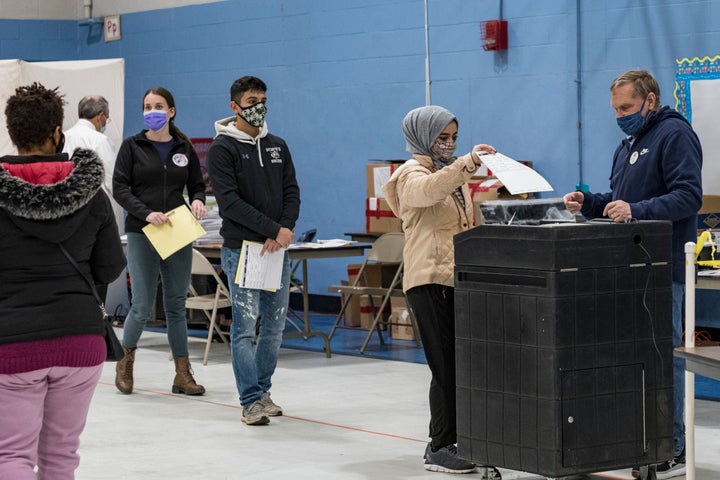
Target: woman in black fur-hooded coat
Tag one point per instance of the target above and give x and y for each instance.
(51, 329)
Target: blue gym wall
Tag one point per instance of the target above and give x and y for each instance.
(342, 74)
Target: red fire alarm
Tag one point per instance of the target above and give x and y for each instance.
(494, 34)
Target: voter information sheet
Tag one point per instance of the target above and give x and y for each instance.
(515, 176)
(259, 272)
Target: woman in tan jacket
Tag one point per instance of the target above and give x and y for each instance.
(429, 193)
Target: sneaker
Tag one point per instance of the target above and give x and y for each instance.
(672, 468)
(446, 460)
(492, 473)
(270, 408)
(254, 414)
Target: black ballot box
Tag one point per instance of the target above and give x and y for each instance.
(564, 346)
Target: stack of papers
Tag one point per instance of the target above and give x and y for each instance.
(259, 272)
(335, 242)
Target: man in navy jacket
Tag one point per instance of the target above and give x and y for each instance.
(656, 175)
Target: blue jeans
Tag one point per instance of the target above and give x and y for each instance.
(678, 292)
(144, 265)
(254, 361)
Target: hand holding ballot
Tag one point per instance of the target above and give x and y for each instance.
(480, 150)
(516, 177)
(259, 270)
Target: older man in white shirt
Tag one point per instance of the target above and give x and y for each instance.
(94, 114)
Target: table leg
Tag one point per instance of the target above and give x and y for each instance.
(307, 330)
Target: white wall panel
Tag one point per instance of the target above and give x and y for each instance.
(74, 9)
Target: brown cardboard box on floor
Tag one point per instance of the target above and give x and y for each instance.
(358, 313)
(398, 302)
(401, 327)
(351, 316)
(367, 314)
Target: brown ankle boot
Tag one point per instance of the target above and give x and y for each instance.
(184, 381)
(124, 371)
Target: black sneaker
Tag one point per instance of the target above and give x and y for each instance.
(491, 474)
(446, 460)
(672, 468)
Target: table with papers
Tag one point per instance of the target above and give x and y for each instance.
(303, 252)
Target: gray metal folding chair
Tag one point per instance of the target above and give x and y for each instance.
(211, 302)
(387, 249)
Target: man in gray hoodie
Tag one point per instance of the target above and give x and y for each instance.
(253, 178)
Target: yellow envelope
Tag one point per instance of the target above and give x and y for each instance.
(168, 240)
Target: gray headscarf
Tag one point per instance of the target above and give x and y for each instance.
(423, 125)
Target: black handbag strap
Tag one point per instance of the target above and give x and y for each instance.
(87, 280)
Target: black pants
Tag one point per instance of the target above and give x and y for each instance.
(434, 309)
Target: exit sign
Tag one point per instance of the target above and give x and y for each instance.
(112, 28)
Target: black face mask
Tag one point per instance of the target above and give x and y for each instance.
(60, 144)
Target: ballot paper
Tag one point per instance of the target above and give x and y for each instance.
(169, 239)
(516, 177)
(259, 272)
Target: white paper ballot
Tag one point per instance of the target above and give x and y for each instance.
(259, 272)
(516, 177)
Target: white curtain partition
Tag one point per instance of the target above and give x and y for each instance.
(705, 97)
(75, 80)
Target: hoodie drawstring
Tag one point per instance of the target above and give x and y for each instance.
(259, 153)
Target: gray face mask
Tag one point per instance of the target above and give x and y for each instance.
(254, 115)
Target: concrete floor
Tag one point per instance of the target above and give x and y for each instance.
(345, 418)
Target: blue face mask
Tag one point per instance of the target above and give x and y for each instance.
(155, 119)
(632, 124)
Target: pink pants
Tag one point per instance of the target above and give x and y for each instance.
(42, 414)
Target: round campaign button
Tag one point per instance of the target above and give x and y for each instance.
(181, 160)
(633, 158)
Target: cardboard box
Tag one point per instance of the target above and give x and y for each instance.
(485, 188)
(709, 213)
(377, 174)
(379, 218)
(351, 316)
(401, 327)
(357, 313)
(398, 302)
(367, 313)
(375, 274)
